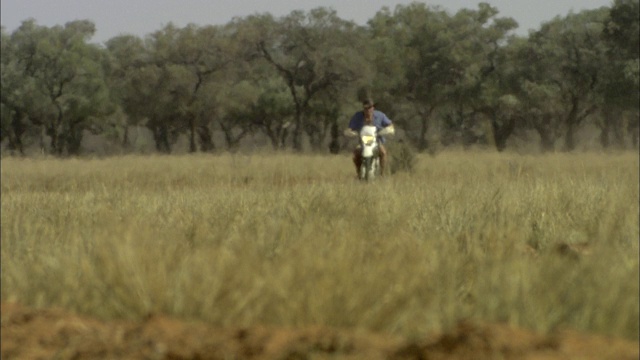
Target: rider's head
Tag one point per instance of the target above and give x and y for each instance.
(367, 108)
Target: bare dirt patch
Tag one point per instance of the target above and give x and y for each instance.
(53, 333)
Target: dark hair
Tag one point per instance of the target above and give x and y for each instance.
(368, 102)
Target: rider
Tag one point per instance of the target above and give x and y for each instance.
(369, 116)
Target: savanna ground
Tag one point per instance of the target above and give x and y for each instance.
(469, 256)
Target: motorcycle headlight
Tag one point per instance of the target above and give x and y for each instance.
(367, 139)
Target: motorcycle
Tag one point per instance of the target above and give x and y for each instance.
(369, 147)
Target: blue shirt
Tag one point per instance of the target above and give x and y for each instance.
(380, 120)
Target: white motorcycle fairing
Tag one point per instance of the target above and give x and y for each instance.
(368, 140)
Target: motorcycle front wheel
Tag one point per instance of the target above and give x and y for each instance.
(368, 169)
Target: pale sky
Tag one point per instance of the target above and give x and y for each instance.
(142, 17)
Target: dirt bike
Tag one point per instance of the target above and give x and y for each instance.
(369, 147)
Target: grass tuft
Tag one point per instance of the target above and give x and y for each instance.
(542, 242)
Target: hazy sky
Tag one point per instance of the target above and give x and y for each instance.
(141, 17)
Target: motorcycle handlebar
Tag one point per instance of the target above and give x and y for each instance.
(350, 133)
(389, 130)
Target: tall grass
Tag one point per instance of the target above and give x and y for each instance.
(543, 242)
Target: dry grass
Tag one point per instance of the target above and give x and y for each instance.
(537, 241)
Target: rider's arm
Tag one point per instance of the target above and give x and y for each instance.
(385, 127)
(385, 120)
(353, 123)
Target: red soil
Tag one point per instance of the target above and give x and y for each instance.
(52, 333)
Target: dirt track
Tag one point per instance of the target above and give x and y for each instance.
(52, 333)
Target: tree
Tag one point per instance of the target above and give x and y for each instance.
(488, 87)
(263, 104)
(421, 53)
(66, 76)
(162, 81)
(13, 106)
(203, 53)
(316, 53)
(125, 55)
(568, 62)
(444, 60)
(145, 88)
(620, 86)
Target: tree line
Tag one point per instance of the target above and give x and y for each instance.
(445, 78)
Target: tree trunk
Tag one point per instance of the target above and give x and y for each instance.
(233, 141)
(547, 139)
(613, 129)
(425, 125)
(13, 145)
(547, 142)
(620, 130)
(56, 143)
(54, 131)
(545, 130)
(569, 138)
(317, 132)
(334, 145)
(574, 119)
(206, 140)
(571, 121)
(284, 135)
(502, 132)
(161, 138)
(125, 137)
(297, 133)
(604, 134)
(43, 133)
(277, 136)
(192, 136)
(73, 138)
(18, 129)
(633, 127)
(273, 136)
(423, 142)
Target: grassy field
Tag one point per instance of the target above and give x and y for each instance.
(543, 242)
